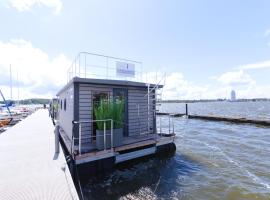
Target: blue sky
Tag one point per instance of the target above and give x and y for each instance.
(205, 47)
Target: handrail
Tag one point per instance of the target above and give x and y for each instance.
(80, 68)
(104, 129)
(156, 86)
(170, 124)
(124, 59)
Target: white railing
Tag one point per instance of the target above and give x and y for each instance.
(104, 135)
(90, 65)
(169, 127)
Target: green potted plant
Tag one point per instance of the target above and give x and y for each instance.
(109, 110)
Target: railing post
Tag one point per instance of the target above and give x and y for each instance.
(111, 134)
(169, 124)
(79, 64)
(107, 67)
(173, 123)
(148, 102)
(104, 135)
(160, 129)
(75, 66)
(85, 65)
(80, 139)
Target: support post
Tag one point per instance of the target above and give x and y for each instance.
(56, 136)
(186, 109)
(160, 128)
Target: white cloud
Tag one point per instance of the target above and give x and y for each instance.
(26, 5)
(38, 74)
(42, 76)
(235, 78)
(258, 65)
(176, 87)
(244, 85)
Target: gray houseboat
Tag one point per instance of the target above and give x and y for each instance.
(88, 107)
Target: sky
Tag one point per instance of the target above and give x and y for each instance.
(205, 48)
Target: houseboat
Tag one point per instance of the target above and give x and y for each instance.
(107, 115)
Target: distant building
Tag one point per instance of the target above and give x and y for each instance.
(233, 95)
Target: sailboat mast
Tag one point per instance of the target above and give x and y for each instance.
(18, 86)
(10, 71)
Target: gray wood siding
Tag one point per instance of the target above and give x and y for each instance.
(136, 96)
(66, 116)
(139, 122)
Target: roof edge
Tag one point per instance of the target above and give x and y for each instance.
(106, 82)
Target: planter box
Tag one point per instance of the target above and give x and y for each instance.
(117, 138)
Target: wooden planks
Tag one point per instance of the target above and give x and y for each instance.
(29, 167)
(135, 145)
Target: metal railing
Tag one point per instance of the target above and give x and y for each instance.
(92, 136)
(169, 126)
(91, 65)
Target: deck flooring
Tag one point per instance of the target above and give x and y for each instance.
(29, 167)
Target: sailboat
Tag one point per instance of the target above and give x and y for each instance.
(5, 117)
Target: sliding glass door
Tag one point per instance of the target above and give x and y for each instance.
(121, 94)
(97, 97)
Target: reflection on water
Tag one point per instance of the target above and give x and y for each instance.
(213, 160)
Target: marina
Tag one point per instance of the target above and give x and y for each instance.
(134, 100)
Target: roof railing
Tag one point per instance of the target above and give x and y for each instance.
(91, 65)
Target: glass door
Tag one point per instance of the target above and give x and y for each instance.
(97, 96)
(121, 94)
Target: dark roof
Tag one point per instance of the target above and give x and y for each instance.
(106, 82)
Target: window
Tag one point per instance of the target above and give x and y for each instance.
(61, 104)
(65, 104)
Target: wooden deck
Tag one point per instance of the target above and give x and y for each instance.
(29, 168)
(129, 143)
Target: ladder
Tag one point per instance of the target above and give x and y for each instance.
(154, 100)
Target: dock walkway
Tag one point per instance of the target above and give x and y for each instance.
(29, 167)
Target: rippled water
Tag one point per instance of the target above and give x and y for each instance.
(213, 160)
(251, 110)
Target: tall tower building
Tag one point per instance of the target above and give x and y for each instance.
(233, 95)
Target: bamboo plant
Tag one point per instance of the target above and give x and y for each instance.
(109, 110)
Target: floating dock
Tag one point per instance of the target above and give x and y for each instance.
(220, 118)
(30, 168)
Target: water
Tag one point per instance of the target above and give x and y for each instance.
(213, 160)
(250, 110)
